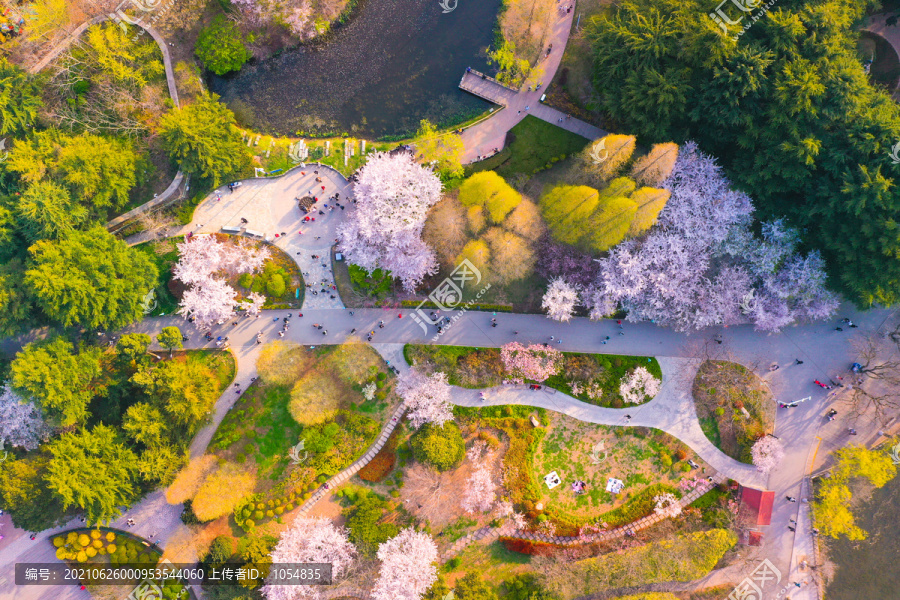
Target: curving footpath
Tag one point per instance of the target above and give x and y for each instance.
(167, 195)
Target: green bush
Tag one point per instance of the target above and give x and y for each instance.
(684, 558)
(221, 549)
(220, 47)
(441, 447)
(246, 281)
(276, 286)
(373, 284)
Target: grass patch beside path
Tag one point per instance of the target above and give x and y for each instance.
(683, 558)
(532, 145)
(734, 406)
(476, 368)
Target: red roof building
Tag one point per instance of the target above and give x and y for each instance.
(757, 505)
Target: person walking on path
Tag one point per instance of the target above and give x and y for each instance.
(791, 499)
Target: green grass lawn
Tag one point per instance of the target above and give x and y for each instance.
(532, 145)
(734, 406)
(260, 427)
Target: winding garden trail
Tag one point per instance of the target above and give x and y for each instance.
(168, 194)
(482, 139)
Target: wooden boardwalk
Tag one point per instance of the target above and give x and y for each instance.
(486, 88)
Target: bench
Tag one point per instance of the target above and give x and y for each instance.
(231, 229)
(252, 233)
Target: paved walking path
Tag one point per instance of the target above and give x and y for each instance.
(482, 139)
(269, 207)
(507, 530)
(170, 191)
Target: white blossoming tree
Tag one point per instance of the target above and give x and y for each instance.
(255, 304)
(638, 385)
(393, 197)
(203, 263)
(208, 302)
(428, 398)
(667, 505)
(767, 453)
(407, 566)
(311, 540)
(481, 492)
(21, 424)
(560, 300)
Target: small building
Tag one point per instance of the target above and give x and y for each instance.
(756, 505)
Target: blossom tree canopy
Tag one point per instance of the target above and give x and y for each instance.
(209, 302)
(767, 453)
(254, 307)
(534, 362)
(203, 262)
(702, 265)
(428, 398)
(393, 197)
(667, 505)
(310, 540)
(20, 421)
(481, 492)
(638, 385)
(560, 300)
(407, 566)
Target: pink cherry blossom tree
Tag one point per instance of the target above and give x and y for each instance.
(560, 300)
(638, 385)
(481, 492)
(407, 566)
(310, 540)
(21, 424)
(393, 197)
(534, 362)
(701, 264)
(428, 398)
(767, 453)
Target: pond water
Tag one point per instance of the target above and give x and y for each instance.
(394, 63)
(868, 569)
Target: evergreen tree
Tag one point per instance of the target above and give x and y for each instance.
(20, 99)
(58, 378)
(90, 279)
(93, 470)
(204, 140)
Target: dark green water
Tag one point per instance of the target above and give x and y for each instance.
(396, 62)
(870, 570)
